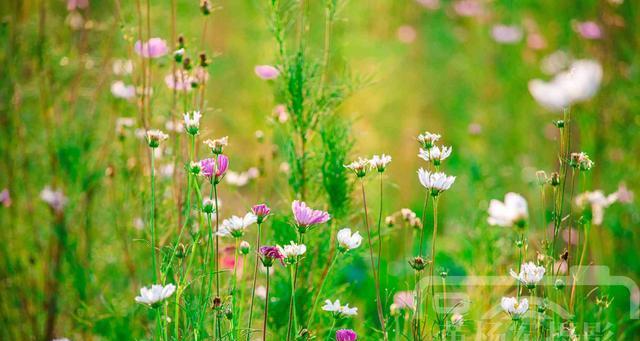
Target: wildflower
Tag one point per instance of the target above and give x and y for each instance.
(178, 55)
(435, 154)
(623, 194)
(307, 217)
(379, 162)
(468, 8)
(154, 48)
(194, 168)
(214, 168)
(5, 198)
(339, 310)
(579, 83)
(156, 294)
(280, 113)
(54, 198)
(205, 7)
(406, 34)
(359, 167)
(235, 225)
(514, 308)
(261, 292)
(217, 145)
(428, 140)
(192, 122)
(530, 274)
(404, 300)
(581, 160)
(512, 212)
(457, 320)
(506, 34)
(269, 254)
(346, 335)
(237, 179)
(554, 179)
(390, 221)
(597, 201)
(291, 252)
(261, 211)
(435, 182)
(588, 30)
(418, 263)
(348, 241)
(77, 4)
(154, 137)
(121, 90)
(244, 247)
(181, 80)
(266, 72)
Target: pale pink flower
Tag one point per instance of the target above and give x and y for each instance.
(536, 41)
(429, 4)
(506, 34)
(468, 8)
(77, 4)
(588, 30)
(120, 90)
(5, 198)
(306, 217)
(406, 34)
(404, 300)
(180, 81)
(266, 72)
(154, 48)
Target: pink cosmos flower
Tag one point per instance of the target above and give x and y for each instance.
(5, 198)
(77, 4)
(468, 8)
(154, 48)
(306, 217)
(261, 211)
(346, 335)
(406, 34)
(214, 168)
(506, 34)
(266, 72)
(269, 254)
(404, 300)
(588, 30)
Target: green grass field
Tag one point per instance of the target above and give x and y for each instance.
(106, 188)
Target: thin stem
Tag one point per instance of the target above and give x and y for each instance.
(266, 309)
(379, 227)
(292, 300)
(584, 250)
(253, 288)
(152, 217)
(319, 294)
(333, 326)
(217, 254)
(424, 215)
(433, 254)
(234, 288)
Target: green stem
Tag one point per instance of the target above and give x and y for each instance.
(253, 287)
(152, 217)
(266, 309)
(319, 294)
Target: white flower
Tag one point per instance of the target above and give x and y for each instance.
(514, 308)
(435, 182)
(192, 122)
(428, 140)
(237, 179)
(435, 154)
(457, 320)
(598, 202)
(155, 294)
(506, 34)
(359, 167)
(379, 162)
(579, 83)
(218, 144)
(513, 212)
(261, 292)
(348, 241)
(235, 225)
(339, 310)
(121, 90)
(581, 160)
(292, 251)
(154, 137)
(122, 67)
(530, 274)
(54, 198)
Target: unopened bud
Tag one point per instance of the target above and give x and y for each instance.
(542, 177)
(245, 247)
(203, 60)
(181, 251)
(205, 7)
(418, 263)
(554, 180)
(559, 124)
(559, 284)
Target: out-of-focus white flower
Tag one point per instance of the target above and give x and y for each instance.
(156, 294)
(555, 62)
(339, 310)
(292, 251)
(176, 126)
(154, 137)
(530, 274)
(457, 319)
(407, 214)
(359, 167)
(122, 123)
(348, 241)
(623, 194)
(122, 67)
(598, 202)
(512, 212)
(514, 308)
(54, 198)
(435, 154)
(261, 292)
(506, 34)
(280, 113)
(379, 162)
(179, 81)
(427, 140)
(581, 160)
(437, 182)
(235, 225)
(579, 83)
(121, 90)
(404, 300)
(217, 145)
(192, 122)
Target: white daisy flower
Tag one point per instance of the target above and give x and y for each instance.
(348, 241)
(435, 182)
(512, 212)
(530, 274)
(379, 162)
(156, 294)
(235, 225)
(514, 308)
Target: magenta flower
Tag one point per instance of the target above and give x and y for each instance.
(77, 4)
(306, 216)
(269, 254)
(346, 335)
(266, 72)
(154, 48)
(261, 211)
(5, 198)
(214, 168)
(588, 30)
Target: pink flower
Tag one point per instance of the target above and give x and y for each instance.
(346, 335)
(404, 300)
(536, 41)
(180, 81)
(306, 217)
(261, 211)
(468, 8)
(269, 254)
(588, 30)
(266, 72)
(5, 198)
(429, 4)
(406, 34)
(214, 168)
(505, 34)
(154, 48)
(77, 4)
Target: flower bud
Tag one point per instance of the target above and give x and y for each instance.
(418, 263)
(228, 313)
(390, 221)
(178, 55)
(205, 7)
(217, 303)
(559, 124)
(554, 180)
(208, 206)
(204, 62)
(181, 252)
(559, 284)
(244, 247)
(186, 63)
(194, 168)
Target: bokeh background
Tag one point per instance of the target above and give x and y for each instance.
(425, 65)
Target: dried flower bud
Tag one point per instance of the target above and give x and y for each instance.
(542, 177)
(418, 263)
(205, 7)
(181, 44)
(204, 62)
(554, 180)
(181, 251)
(186, 63)
(217, 303)
(559, 124)
(565, 255)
